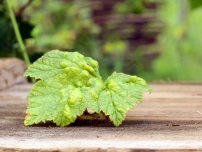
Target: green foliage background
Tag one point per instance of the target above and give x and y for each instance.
(46, 25)
(181, 42)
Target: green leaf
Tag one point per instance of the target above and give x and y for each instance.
(91, 94)
(54, 101)
(60, 101)
(69, 83)
(121, 93)
(57, 62)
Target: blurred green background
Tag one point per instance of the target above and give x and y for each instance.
(158, 40)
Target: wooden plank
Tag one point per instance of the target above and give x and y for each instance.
(169, 119)
(11, 71)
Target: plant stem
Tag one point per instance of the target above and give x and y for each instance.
(17, 33)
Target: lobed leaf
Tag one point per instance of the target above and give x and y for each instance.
(57, 62)
(53, 101)
(69, 83)
(121, 93)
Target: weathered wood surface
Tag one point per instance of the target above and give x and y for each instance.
(11, 71)
(169, 119)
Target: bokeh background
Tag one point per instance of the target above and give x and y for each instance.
(159, 40)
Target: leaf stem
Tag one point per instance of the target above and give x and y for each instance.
(17, 33)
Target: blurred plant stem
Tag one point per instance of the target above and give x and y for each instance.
(17, 32)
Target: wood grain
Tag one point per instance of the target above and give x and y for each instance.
(169, 119)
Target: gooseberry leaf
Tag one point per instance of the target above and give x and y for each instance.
(51, 101)
(69, 84)
(57, 62)
(121, 93)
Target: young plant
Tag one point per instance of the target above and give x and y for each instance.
(68, 84)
